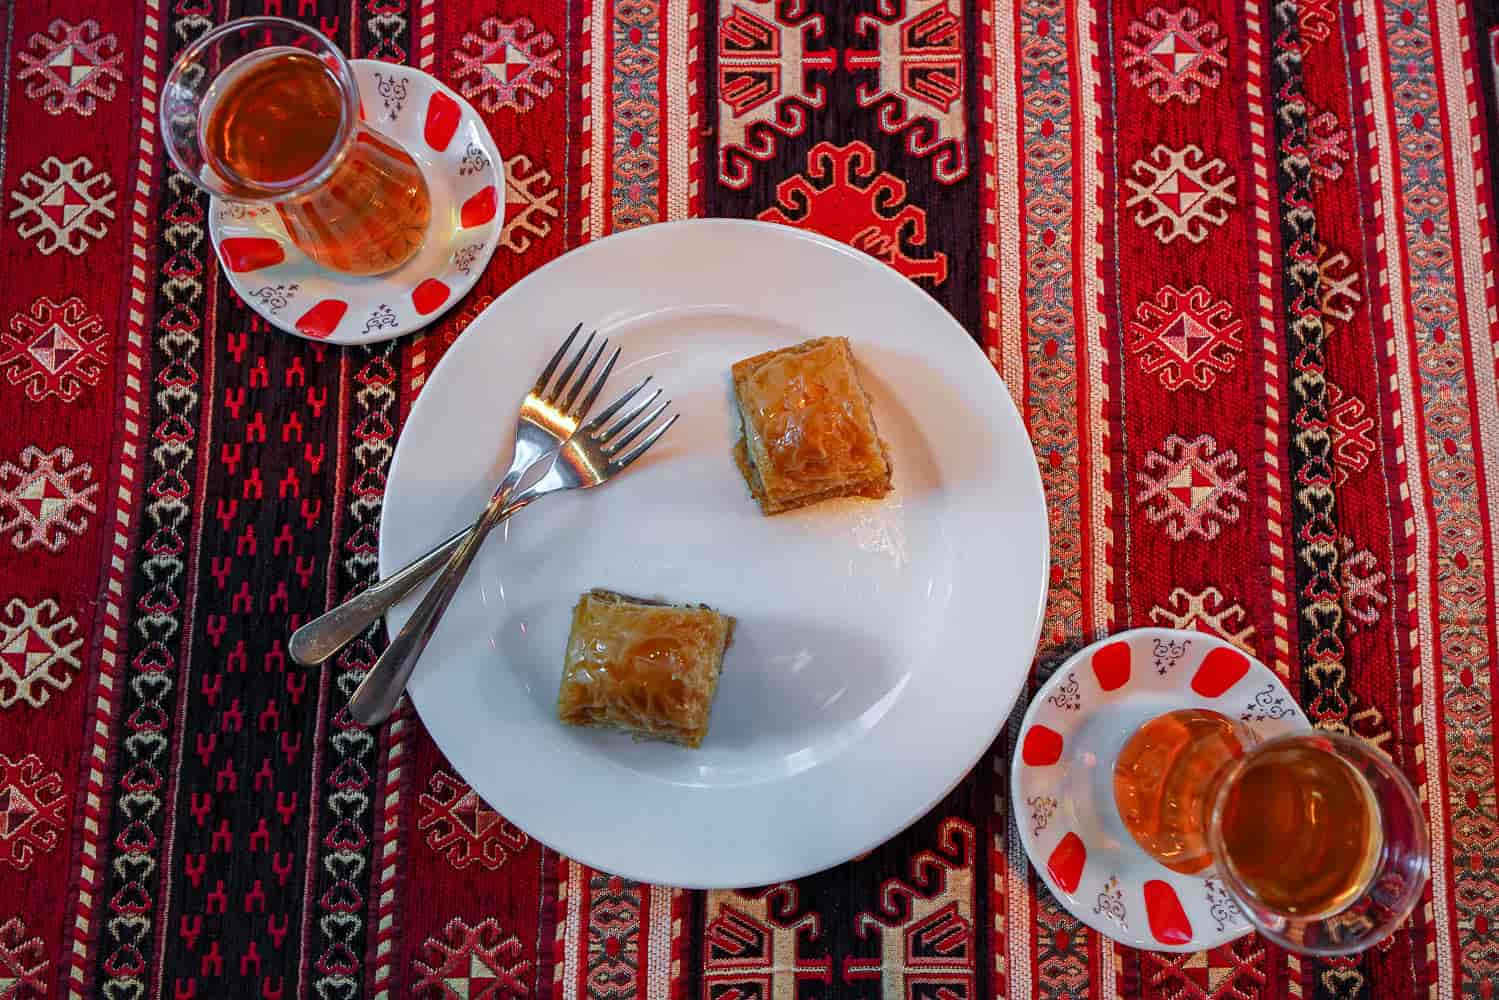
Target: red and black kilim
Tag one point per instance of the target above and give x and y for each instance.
(1233, 259)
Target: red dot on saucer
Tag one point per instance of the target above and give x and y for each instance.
(251, 253)
(429, 295)
(479, 209)
(1221, 669)
(322, 319)
(1066, 862)
(442, 121)
(1168, 921)
(1111, 666)
(1042, 746)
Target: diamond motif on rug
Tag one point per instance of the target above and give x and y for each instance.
(1180, 192)
(1175, 56)
(1191, 488)
(463, 828)
(478, 962)
(43, 500)
(32, 809)
(506, 64)
(63, 206)
(1186, 337)
(54, 349)
(38, 652)
(23, 960)
(72, 67)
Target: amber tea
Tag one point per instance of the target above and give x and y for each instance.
(276, 117)
(1298, 825)
(1163, 782)
(1300, 828)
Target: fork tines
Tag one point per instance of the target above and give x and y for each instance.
(623, 431)
(553, 393)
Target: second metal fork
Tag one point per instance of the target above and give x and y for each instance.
(548, 416)
(591, 456)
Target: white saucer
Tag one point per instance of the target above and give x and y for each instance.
(466, 180)
(1062, 780)
(880, 643)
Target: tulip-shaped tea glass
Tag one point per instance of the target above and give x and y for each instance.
(1318, 836)
(266, 110)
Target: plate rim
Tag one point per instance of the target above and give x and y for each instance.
(1034, 489)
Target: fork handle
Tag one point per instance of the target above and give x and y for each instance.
(380, 690)
(330, 631)
(326, 634)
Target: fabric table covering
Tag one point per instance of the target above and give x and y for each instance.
(1233, 259)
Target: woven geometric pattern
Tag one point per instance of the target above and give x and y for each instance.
(1234, 260)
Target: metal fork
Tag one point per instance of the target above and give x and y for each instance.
(593, 455)
(540, 429)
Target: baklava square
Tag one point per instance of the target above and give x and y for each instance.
(808, 430)
(645, 667)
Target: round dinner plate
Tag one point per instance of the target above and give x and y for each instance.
(880, 644)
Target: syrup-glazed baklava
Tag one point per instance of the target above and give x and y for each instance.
(808, 430)
(645, 667)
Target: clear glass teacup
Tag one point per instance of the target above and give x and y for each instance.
(264, 110)
(1318, 836)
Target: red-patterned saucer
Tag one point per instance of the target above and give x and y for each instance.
(1062, 780)
(466, 179)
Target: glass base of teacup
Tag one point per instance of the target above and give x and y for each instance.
(465, 181)
(1063, 780)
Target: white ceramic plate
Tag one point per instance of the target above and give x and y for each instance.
(1062, 780)
(880, 643)
(466, 180)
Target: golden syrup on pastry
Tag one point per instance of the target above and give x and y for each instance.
(649, 669)
(651, 674)
(643, 665)
(809, 425)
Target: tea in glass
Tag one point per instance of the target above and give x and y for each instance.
(266, 110)
(1300, 827)
(1164, 777)
(1318, 836)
